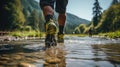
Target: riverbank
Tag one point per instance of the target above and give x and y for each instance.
(101, 35)
(110, 35)
(21, 35)
(28, 35)
(16, 38)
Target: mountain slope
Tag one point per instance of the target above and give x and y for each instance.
(76, 20)
(30, 5)
(71, 22)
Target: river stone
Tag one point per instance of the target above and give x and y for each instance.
(4, 55)
(3, 62)
(20, 53)
(31, 60)
(53, 60)
(46, 64)
(114, 59)
(4, 58)
(24, 64)
(17, 57)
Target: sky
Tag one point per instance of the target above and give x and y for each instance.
(83, 8)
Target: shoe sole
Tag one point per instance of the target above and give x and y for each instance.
(50, 41)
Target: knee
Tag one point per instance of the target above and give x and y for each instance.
(48, 10)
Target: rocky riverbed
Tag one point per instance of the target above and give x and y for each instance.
(13, 38)
(74, 52)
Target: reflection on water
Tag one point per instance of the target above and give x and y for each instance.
(111, 51)
(55, 57)
(81, 51)
(19, 54)
(74, 52)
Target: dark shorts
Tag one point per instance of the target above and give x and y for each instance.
(60, 5)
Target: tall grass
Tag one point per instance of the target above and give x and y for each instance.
(27, 33)
(115, 34)
(79, 35)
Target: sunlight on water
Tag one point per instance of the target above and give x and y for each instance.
(74, 52)
(90, 40)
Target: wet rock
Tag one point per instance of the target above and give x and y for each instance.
(52, 60)
(4, 58)
(24, 64)
(4, 55)
(17, 57)
(46, 64)
(3, 62)
(31, 60)
(20, 54)
(115, 59)
(12, 62)
(38, 56)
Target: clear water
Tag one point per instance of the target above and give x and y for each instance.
(79, 52)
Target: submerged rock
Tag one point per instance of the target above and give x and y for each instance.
(53, 60)
(24, 64)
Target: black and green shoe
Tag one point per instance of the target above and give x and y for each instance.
(50, 41)
(60, 38)
(51, 30)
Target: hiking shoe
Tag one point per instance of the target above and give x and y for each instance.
(50, 27)
(60, 38)
(50, 41)
(51, 30)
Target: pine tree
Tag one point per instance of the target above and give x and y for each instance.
(115, 2)
(96, 13)
(110, 21)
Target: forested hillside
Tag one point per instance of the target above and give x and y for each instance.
(107, 21)
(74, 21)
(11, 15)
(110, 20)
(27, 15)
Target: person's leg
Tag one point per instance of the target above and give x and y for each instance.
(61, 22)
(50, 27)
(48, 13)
(61, 9)
(47, 6)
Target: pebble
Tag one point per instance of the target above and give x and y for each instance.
(53, 60)
(24, 64)
(4, 58)
(3, 62)
(17, 57)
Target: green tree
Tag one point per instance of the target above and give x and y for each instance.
(96, 12)
(34, 20)
(41, 22)
(11, 16)
(82, 28)
(26, 13)
(115, 2)
(77, 30)
(110, 20)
